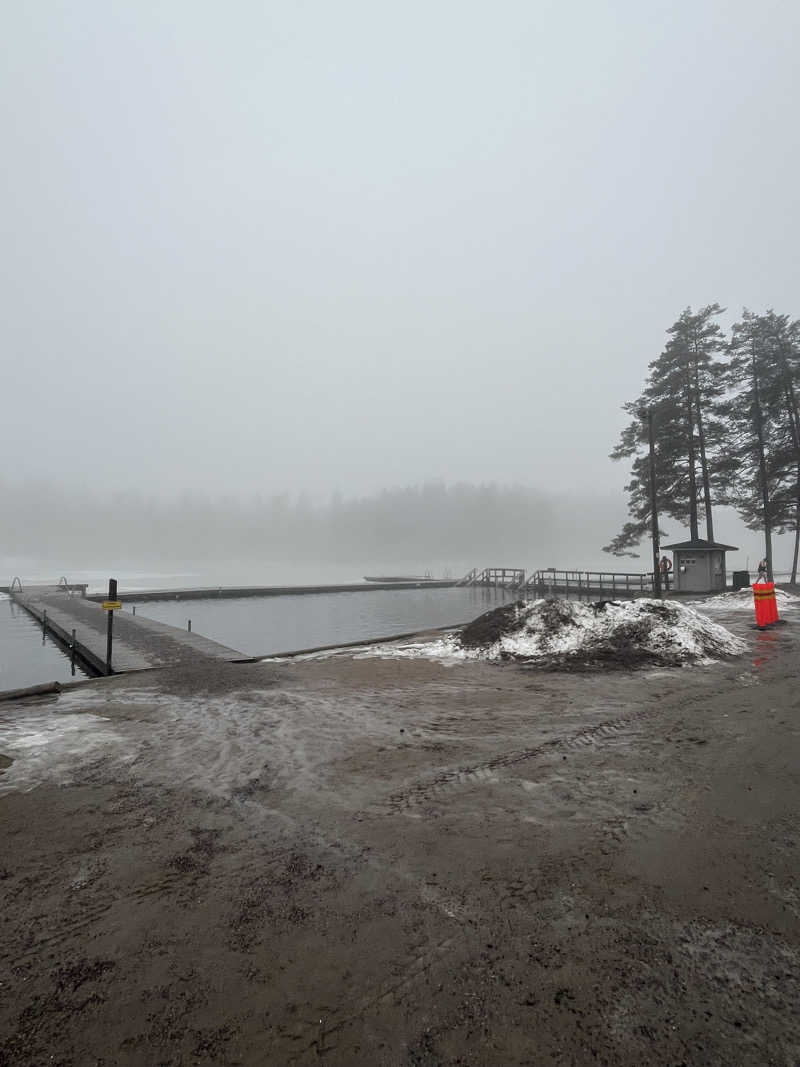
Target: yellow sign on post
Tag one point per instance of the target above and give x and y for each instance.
(112, 605)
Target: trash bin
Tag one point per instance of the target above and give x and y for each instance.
(741, 579)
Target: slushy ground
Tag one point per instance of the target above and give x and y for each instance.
(351, 860)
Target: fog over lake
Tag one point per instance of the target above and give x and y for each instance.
(267, 259)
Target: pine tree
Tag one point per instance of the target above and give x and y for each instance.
(681, 388)
(780, 395)
(761, 468)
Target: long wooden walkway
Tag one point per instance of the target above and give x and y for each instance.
(612, 584)
(566, 583)
(232, 592)
(139, 642)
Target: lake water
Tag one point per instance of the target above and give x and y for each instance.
(253, 625)
(263, 625)
(24, 659)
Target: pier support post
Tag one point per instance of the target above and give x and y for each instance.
(112, 595)
(44, 625)
(72, 652)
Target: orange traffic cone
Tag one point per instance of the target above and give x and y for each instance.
(766, 604)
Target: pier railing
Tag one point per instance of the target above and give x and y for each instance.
(495, 577)
(587, 583)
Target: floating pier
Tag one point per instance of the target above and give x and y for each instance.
(79, 625)
(231, 592)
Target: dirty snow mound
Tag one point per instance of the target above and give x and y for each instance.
(568, 635)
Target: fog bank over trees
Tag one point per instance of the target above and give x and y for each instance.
(431, 525)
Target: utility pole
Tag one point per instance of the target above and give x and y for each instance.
(653, 505)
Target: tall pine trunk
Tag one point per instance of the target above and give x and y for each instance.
(758, 423)
(694, 532)
(796, 531)
(701, 437)
(793, 415)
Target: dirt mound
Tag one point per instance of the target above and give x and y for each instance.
(488, 628)
(567, 635)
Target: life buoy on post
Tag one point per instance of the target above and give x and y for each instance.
(765, 603)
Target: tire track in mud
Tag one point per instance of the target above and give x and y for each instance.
(417, 967)
(67, 929)
(422, 792)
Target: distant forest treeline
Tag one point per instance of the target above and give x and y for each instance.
(462, 524)
(725, 413)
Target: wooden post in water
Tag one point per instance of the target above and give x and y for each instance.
(72, 652)
(112, 595)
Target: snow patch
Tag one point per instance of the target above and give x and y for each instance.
(742, 600)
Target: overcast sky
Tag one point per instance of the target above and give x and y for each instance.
(312, 245)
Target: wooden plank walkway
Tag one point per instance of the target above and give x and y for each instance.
(613, 584)
(230, 592)
(139, 643)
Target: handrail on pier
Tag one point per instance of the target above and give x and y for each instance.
(469, 579)
(589, 583)
(497, 577)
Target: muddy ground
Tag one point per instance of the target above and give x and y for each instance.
(360, 861)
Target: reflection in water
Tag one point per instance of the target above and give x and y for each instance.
(767, 646)
(27, 656)
(264, 625)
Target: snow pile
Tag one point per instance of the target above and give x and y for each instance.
(742, 600)
(569, 635)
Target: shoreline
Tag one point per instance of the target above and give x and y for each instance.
(394, 861)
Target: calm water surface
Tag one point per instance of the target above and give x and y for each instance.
(24, 659)
(264, 625)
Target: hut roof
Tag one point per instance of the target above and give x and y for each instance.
(701, 545)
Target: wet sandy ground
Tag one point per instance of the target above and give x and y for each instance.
(361, 861)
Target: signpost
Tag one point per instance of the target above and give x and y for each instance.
(111, 605)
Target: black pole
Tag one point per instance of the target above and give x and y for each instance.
(112, 595)
(653, 505)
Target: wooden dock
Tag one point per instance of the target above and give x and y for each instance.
(605, 584)
(139, 643)
(561, 583)
(231, 592)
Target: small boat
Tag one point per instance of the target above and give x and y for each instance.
(398, 578)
